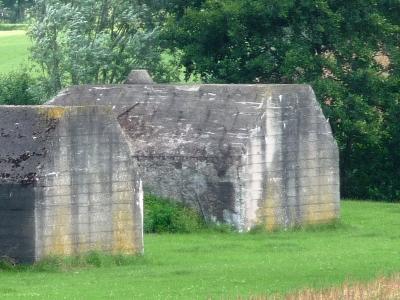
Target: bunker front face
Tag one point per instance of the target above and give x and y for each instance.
(67, 183)
(245, 155)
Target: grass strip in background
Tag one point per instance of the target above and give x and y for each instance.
(14, 52)
(8, 27)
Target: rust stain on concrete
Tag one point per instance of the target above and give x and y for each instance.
(60, 240)
(123, 233)
(53, 112)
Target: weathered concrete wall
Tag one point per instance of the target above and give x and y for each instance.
(243, 154)
(290, 170)
(84, 192)
(24, 133)
(17, 226)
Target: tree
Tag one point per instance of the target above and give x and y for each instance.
(335, 45)
(14, 10)
(93, 41)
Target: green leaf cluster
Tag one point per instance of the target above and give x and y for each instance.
(90, 41)
(20, 88)
(167, 216)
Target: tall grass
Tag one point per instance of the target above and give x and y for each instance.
(383, 288)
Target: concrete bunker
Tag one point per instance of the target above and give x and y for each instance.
(242, 154)
(67, 183)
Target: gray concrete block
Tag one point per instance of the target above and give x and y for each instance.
(68, 183)
(236, 153)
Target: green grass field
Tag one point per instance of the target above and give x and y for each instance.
(13, 50)
(220, 265)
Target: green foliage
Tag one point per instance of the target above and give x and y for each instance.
(92, 41)
(333, 45)
(20, 88)
(210, 265)
(163, 215)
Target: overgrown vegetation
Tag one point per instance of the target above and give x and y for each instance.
(163, 215)
(20, 88)
(209, 264)
(167, 216)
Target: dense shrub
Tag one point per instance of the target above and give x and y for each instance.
(164, 215)
(20, 88)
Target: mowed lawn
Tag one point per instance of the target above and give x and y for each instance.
(13, 50)
(227, 265)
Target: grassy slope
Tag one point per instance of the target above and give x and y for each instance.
(216, 265)
(13, 50)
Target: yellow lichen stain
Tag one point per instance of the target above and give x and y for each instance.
(60, 240)
(267, 213)
(83, 245)
(320, 217)
(270, 212)
(123, 232)
(55, 112)
(323, 213)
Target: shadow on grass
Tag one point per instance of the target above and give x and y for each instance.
(335, 225)
(92, 259)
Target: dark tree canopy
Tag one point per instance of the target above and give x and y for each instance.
(348, 50)
(14, 10)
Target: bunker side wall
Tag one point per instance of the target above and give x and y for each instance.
(89, 196)
(291, 169)
(23, 132)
